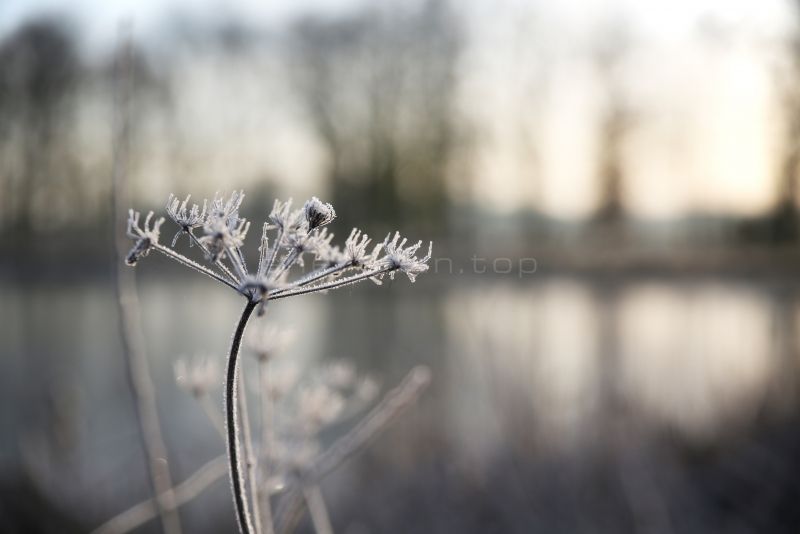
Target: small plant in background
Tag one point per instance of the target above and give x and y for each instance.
(293, 414)
(295, 406)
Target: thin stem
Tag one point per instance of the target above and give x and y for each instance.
(393, 403)
(318, 510)
(262, 250)
(184, 492)
(266, 412)
(250, 457)
(321, 273)
(183, 260)
(238, 485)
(328, 285)
(241, 264)
(266, 443)
(131, 330)
(288, 261)
(218, 263)
(273, 253)
(213, 413)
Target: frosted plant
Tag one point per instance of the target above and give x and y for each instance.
(400, 257)
(318, 213)
(268, 341)
(297, 406)
(198, 376)
(294, 409)
(146, 236)
(186, 218)
(287, 238)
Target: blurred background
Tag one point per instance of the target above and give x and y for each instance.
(613, 314)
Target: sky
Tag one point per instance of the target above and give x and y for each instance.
(99, 19)
(656, 18)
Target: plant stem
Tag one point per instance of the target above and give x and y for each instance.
(218, 263)
(290, 510)
(213, 413)
(250, 458)
(129, 314)
(288, 261)
(262, 491)
(280, 294)
(180, 258)
(322, 273)
(317, 509)
(232, 423)
(273, 253)
(184, 492)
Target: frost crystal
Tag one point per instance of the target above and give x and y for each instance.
(355, 249)
(146, 236)
(316, 243)
(282, 216)
(227, 210)
(258, 287)
(400, 257)
(318, 213)
(223, 234)
(186, 218)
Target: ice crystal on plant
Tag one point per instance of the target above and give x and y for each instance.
(227, 210)
(146, 235)
(258, 287)
(355, 249)
(297, 233)
(223, 234)
(400, 257)
(282, 217)
(186, 218)
(318, 213)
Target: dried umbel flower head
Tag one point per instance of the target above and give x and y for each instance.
(400, 257)
(319, 405)
(268, 340)
(223, 234)
(340, 375)
(198, 375)
(294, 455)
(318, 213)
(283, 218)
(282, 379)
(186, 218)
(315, 243)
(298, 233)
(367, 389)
(355, 249)
(226, 209)
(146, 236)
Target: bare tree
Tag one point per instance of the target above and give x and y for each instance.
(615, 121)
(378, 88)
(784, 215)
(39, 72)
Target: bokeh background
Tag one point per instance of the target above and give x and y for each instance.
(642, 154)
